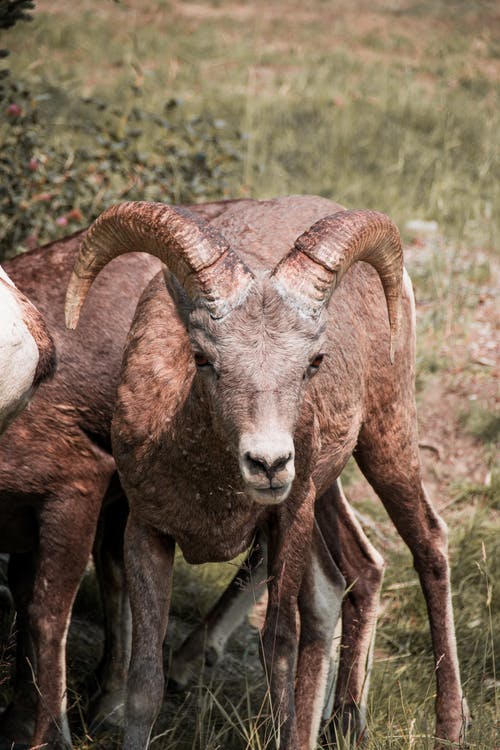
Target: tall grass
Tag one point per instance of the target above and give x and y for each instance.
(386, 145)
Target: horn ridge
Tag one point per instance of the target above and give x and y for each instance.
(311, 271)
(194, 251)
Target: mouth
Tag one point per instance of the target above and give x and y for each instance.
(270, 495)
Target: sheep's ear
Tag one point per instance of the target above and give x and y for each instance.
(181, 300)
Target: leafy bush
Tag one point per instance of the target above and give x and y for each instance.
(50, 185)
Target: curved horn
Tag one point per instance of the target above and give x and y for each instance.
(196, 253)
(320, 257)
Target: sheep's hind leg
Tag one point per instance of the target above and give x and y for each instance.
(18, 720)
(209, 639)
(320, 601)
(389, 460)
(363, 569)
(6, 601)
(64, 550)
(108, 704)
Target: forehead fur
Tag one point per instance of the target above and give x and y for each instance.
(265, 321)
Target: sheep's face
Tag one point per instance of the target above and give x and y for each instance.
(254, 366)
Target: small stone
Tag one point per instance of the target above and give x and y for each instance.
(419, 226)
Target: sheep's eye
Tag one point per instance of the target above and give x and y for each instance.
(315, 363)
(201, 360)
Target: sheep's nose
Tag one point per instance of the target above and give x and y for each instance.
(265, 464)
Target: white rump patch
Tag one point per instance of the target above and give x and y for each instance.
(18, 355)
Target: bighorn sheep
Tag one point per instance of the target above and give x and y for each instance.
(250, 376)
(27, 354)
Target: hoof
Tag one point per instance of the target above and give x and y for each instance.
(185, 668)
(454, 730)
(212, 656)
(172, 686)
(17, 727)
(346, 730)
(108, 714)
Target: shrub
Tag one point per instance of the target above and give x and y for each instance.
(52, 185)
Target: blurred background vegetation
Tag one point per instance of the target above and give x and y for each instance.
(382, 104)
(388, 105)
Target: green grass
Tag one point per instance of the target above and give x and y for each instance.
(481, 423)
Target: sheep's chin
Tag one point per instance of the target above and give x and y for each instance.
(269, 496)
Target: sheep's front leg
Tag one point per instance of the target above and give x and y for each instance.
(149, 558)
(290, 538)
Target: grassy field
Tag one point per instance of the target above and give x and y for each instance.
(381, 104)
(393, 105)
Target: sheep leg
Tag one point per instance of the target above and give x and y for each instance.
(109, 703)
(210, 637)
(389, 460)
(17, 722)
(149, 559)
(363, 568)
(64, 549)
(289, 535)
(6, 601)
(320, 601)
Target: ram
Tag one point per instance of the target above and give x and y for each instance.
(27, 358)
(257, 363)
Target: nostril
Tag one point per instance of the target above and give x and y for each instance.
(256, 464)
(280, 463)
